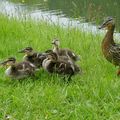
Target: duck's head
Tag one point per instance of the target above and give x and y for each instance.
(108, 24)
(9, 62)
(27, 51)
(56, 42)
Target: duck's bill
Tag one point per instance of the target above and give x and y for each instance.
(3, 63)
(101, 27)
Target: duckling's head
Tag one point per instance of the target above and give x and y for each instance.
(9, 62)
(108, 24)
(27, 51)
(56, 42)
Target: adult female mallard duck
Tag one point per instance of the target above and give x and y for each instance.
(33, 57)
(18, 70)
(110, 49)
(64, 52)
(52, 64)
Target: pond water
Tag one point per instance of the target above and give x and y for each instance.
(85, 14)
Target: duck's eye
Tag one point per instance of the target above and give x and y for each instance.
(107, 23)
(104, 24)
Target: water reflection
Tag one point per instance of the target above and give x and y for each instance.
(64, 12)
(52, 16)
(92, 10)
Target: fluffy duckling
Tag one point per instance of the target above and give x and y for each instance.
(64, 52)
(33, 57)
(18, 70)
(52, 64)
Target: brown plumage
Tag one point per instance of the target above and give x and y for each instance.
(110, 49)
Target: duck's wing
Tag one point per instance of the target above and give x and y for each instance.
(25, 66)
(19, 66)
(63, 67)
(73, 55)
(60, 67)
(115, 52)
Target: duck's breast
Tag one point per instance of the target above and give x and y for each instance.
(46, 63)
(105, 50)
(8, 71)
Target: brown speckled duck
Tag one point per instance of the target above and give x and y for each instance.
(110, 49)
(18, 70)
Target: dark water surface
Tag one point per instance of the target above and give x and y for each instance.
(65, 11)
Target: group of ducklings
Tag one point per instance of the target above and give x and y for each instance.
(61, 61)
(56, 60)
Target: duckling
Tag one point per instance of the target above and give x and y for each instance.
(18, 70)
(33, 57)
(64, 52)
(110, 49)
(52, 64)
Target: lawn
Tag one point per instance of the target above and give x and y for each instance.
(94, 95)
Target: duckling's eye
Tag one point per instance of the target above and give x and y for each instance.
(104, 24)
(107, 23)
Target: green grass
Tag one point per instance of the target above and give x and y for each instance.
(95, 95)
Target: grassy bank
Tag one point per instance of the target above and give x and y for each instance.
(93, 96)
